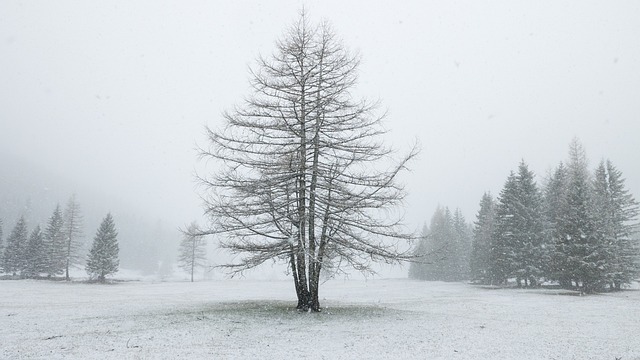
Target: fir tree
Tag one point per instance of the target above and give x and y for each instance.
(446, 248)
(14, 261)
(440, 245)
(615, 213)
(519, 249)
(501, 256)
(483, 240)
(417, 267)
(555, 209)
(462, 246)
(36, 257)
(531, 253)
(1, 246)
(72, 230)
(103, 256)
(192, 252)
(580, 251)
(55, 241)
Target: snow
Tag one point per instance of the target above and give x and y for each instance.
(375, 319)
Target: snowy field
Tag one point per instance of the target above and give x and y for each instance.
(375, 319)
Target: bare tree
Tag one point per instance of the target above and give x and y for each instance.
(296, 179)
(192, 250)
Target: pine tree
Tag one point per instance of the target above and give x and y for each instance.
(36, 257)
(1, 246)
(14, 261)
(483, 240)
(55, 241)
(501, 256)
(615, 213)
(73, 232)
(519, 250)
(462, 246)
(103, 256)
(580, 250)
(531, 253)
(421, 251)
(440, 245)
(555, 209)
(192, 253)
(445, 247)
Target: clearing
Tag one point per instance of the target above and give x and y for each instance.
(375, 319)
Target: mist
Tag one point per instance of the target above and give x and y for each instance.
(109, 100)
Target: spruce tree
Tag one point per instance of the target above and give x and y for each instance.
(1, 248)
(1, 241)
(519, 249)
(103, 256)
(483, 240)
(36, 257)
(580, 250)
(531, 252)
(421, 251)
(14, 261)
(462, 247)
(192, 253)
(441, 246)
(501, 256)
(72, 230)
(555, 209)
(55, 241)
(444, 248)
(615, 212)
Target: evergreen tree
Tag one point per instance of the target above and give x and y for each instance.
(555, 209)
(14, 261)
(192, 253)
(103, 256)
(531, 252)
(483, 240)
(1, 246)
(72, 230)
(440, 245)
(520, 250)
(421, 251)
(501, 256)
(462, 246)
(36, 257)
(446, 248)
(580, 250)
(55, 240)
(615, 213)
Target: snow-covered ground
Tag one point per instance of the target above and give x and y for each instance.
(375, 319)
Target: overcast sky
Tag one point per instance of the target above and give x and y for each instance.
(114, 95)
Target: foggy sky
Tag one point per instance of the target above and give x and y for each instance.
(114, 95)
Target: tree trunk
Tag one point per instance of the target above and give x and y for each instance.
(314, 302)
(296, 280)
(193, 256)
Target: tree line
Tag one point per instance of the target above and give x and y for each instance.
(447, 241)
(578, 230)
(51, 251)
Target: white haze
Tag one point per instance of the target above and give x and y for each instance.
(112, 97)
